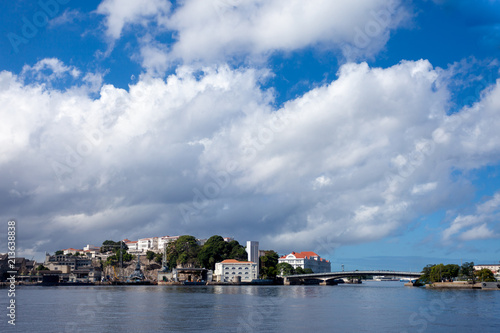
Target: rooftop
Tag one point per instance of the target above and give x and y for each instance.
(234, 261)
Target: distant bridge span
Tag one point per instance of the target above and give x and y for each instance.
(325, 277)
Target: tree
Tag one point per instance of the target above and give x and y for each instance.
(183, 252)
(436, 274)
(212, 252)
(41, 268)
(308, 271)
(426, 274)
(285, 269)
(158, 258)
(299, 270)
(58, 253)
(77, 254)
(467, 271)
(216, 249)
(150, 255)
(268, 264)
(115, 258)
(451, 271)
(109, 245)
(485, 275)
(236, 251)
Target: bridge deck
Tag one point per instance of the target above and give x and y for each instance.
(338, 275)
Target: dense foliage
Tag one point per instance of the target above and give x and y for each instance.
(112, 246)
(438, 273)
(485, 275)
(157, 257)
(285, 269)
(185, 252)
(109, 245)
(216, 250)
(268, 264)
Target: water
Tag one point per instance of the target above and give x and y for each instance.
(369, 307)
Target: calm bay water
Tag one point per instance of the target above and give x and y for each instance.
(369, 307)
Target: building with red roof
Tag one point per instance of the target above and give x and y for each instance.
(232, 270)
(307, 259)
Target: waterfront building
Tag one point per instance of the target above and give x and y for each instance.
(495, 268)
(86, 274)
(307, 259)
(64, 269)
(64, 260)
(147, 244)
(231, 270)
(253, 253)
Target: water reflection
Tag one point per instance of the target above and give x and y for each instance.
(369, 307)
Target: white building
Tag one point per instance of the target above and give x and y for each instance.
(72, 251)
(307, 259)
(253, 251)
(91, 248)
(495, 268)
(163, 241)
(231, 270)
(133, 246)
(147, 244)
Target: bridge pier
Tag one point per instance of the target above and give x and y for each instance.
(291, 282)
(330, 282)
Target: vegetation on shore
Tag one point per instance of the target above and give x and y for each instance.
(451, 272)
(186, 252)
(285, 269)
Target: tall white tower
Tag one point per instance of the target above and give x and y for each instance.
(253, 251)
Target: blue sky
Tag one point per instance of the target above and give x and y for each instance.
(365, 131)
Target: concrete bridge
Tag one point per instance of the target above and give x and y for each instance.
(328, 278)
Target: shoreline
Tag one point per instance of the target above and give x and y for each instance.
(463, 285)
